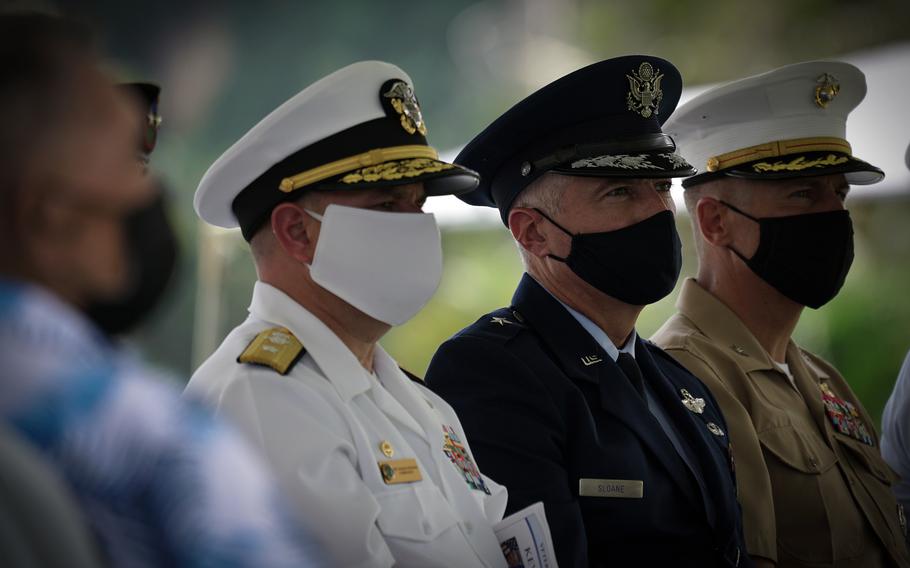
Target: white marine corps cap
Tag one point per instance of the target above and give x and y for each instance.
(786, 123)
(358, 127)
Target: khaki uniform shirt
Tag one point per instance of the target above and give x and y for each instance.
(812, 484)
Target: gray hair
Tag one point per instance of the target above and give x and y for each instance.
(544, 193)
(723, 188)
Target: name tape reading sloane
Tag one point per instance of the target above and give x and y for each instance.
(618, 488)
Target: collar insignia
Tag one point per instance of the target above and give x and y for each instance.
(644, 90)
(696, 405)
(401, 96)
(827, 89)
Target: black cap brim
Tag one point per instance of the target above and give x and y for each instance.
(438, 177)
(808, 164)
(651, 164)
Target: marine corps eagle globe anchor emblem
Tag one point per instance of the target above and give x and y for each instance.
(644, 90)
(401, 96)
(826, 89)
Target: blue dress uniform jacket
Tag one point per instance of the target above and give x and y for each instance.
(544, 407)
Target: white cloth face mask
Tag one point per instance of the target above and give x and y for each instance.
(387, 265)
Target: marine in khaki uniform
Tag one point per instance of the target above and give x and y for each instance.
(773, 236)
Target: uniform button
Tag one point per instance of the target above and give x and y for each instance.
(426, 527)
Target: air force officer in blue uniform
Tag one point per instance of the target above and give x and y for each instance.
(562, 401)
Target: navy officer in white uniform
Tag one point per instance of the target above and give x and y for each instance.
(328, 190)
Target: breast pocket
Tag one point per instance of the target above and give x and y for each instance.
(416, 513)
(802, 469)
(877, 477)
(868, 459)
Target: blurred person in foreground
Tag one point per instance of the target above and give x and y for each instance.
(160, 482)
(773, 237)
(561, 398)
(328, 189)
(896, 424)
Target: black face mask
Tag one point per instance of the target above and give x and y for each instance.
(638, 264)
(151, 246)
(804, 257)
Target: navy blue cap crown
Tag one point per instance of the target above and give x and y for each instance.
(602, 120)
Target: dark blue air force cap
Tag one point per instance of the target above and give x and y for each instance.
(603, 120)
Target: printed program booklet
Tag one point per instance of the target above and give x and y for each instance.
(525, 538)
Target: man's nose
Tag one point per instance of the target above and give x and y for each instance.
(831, 201)
(658, 201)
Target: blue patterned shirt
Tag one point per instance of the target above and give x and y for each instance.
(160, 481)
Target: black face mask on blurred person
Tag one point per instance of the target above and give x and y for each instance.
(151, 247)
(638, 264)
(804, 257)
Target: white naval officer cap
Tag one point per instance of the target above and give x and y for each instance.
(786, 123)
(359, 127)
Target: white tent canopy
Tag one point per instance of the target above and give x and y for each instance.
(878, 131)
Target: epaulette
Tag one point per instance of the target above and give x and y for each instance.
(504, 323)
(275, 347)
(411, 376)
(659, 351)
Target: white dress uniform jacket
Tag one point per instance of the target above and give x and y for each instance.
(328, 424)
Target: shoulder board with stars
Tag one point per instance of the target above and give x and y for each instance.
(276, 348)
(655, 350)
(503, 324)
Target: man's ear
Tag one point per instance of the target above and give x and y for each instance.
(296, 231)
(525, 224)
(712, 217)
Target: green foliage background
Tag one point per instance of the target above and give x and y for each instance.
(470, 61)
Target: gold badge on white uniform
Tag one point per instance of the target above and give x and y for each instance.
(400, 471)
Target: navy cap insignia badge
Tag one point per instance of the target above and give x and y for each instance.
(827, 89)
(645, 94)
(696, 405)
(401, 97)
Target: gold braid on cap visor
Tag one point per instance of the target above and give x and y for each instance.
(344, 165)
(776, 149)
